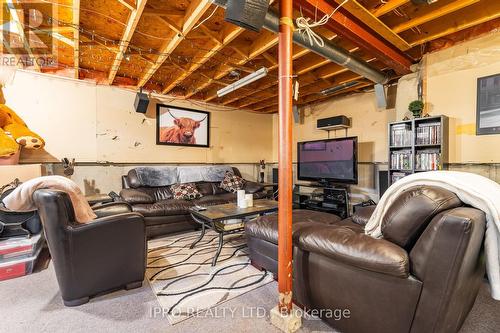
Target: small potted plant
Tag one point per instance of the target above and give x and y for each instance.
(416, 107)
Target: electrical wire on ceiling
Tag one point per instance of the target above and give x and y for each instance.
(206, 19)
(305, 26)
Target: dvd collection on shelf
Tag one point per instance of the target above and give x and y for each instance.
(428, 160)
(428, 134)
(397, 176)
(401, 135)
(401, 160)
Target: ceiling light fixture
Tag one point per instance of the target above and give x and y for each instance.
(243, 82)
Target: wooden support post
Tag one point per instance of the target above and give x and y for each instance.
(285, 316)
(285, 157)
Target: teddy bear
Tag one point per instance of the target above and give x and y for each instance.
(15, 133)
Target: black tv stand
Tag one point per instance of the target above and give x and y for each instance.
(325, 197)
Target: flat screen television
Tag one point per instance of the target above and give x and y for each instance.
(330, 160)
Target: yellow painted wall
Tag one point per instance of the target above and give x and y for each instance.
(79, 120)
(368, 123)
(451, 90)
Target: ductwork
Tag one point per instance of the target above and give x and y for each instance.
(329, 51)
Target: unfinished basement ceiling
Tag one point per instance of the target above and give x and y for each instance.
(186, 49)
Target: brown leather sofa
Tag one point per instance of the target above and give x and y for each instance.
(106, 254)
(163, 214)
(422, 276)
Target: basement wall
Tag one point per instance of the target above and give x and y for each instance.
(98, 126)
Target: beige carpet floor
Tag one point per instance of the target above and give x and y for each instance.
(33, 304)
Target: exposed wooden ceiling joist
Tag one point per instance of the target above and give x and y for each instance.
(435, 14)
(351, 30)
(264, 42)
(308, 85)
(20, 31)
(149, 11)
(76, 37)
(194, 12)
(389, 6)
(478, 13)
(298, 52)
(363, 14)
(133, 20)
(128, 5)
(204, 56)
(269, 82)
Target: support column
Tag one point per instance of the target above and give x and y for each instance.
(285, 157)
(282, 316)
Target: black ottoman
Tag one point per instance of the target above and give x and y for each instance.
(262, 234)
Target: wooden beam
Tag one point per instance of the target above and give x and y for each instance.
(194, 12)
(357, 34)
(76, 37)
(169, 23)
(150, 11)
(269, 58)
(285, 139)
(126, 4)
(210, 34)
(314, 99)
(20, 27)
(263, 84)
(308, 86)
(314, 81)
(447, 9)
(389, 7)
(365, 16)
(325, 72)
(477, 14)
(204, 56)
(132, 22)
(298, 52)
(264, 42)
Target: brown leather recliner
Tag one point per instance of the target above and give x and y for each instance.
(422, 276)
(106, 254)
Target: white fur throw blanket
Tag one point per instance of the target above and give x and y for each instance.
(474, 190)
(21, 199)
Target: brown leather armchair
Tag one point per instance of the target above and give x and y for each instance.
(106, 254)
(422, 276)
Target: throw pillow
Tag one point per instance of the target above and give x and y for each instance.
(186, 191)
(232, 183)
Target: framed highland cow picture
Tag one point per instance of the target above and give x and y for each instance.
(179, 126)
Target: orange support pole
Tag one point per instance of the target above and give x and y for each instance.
(285, 157)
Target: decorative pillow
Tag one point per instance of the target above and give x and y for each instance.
(232, 183)
(186, 191)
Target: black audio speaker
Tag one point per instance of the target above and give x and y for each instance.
(383, 182)
(336, 122)
(248, 14)
(141, 102)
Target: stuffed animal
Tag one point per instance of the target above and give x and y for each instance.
(15, 133)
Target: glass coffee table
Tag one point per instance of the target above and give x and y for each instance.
(220, 218)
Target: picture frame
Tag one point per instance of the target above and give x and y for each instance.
(179, 126)
(488, 105)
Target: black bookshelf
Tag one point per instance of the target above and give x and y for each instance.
(417, 145)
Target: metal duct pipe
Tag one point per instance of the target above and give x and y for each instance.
(330, 51)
